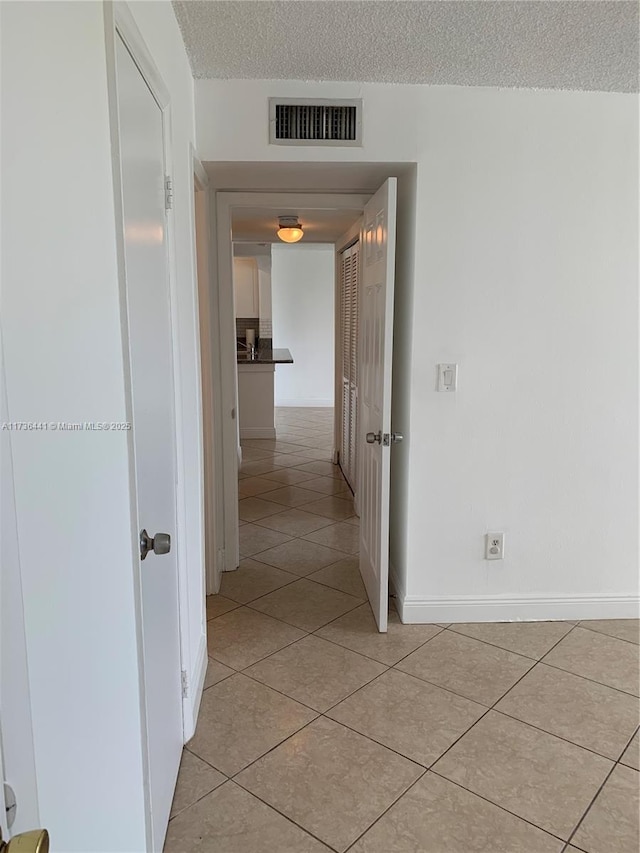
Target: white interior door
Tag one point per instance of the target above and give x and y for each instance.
(142, 155)
(377, 270)
(17, 760)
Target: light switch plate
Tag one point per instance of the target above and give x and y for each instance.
(447, 377)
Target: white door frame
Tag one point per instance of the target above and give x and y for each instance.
(120, 22)
(213, 496)
(225, 202)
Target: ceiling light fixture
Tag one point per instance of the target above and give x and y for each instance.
(290, 230)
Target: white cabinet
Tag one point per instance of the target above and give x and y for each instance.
(255, 401)
(246, 287)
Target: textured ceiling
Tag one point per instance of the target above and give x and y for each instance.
(258, 225)
(588, 44)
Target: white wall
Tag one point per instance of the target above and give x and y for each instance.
(528, 279)
(302, 288)
(525, 268)
(61, 317)
(64, 362)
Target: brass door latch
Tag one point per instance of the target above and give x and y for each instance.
(34, 841)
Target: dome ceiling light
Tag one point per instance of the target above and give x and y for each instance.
(290, 230)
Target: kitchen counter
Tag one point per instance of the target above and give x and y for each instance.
(265, 356)
(256, 386)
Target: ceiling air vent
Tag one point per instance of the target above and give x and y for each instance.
(294, 121)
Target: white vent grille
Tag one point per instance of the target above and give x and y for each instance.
(315, 122)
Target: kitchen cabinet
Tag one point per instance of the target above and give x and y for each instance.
(246, 287)
(256, 410)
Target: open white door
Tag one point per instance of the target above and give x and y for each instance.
(142, 163)
(377, 268)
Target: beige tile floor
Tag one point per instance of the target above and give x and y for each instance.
(316, 733)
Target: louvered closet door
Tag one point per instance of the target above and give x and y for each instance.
(349, 323)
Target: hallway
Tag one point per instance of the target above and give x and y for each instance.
(317, 733)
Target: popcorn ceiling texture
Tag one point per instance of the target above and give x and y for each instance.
(550, 45)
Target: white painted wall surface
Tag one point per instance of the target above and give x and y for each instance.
(302, 291)
(61, 317)
(526, 275)
(64, 362)
(528, 278)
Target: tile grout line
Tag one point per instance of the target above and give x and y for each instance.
(232, 781)
(616, 763)
(586, 678)
(343, 556)
(551, 734)
(286, 645)
(215, 788)
(491, 708)
(497, 805)
(299, 701)
(451, 628)
(290, 624)
(282, 814)
(379, 818)
(429, 768)
(336, 643)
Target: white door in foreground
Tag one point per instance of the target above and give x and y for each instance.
(377, 266)
(142, 157)
(17, 757)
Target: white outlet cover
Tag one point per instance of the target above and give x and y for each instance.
(494, 546)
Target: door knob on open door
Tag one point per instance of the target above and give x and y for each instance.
(373, 437)
(35, 841)
(160, 544)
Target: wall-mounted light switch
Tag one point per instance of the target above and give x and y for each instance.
(447, 377)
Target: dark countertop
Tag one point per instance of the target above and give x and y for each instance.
(265, 356)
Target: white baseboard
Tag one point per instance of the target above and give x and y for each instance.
(415, 611)
(257, 432)
(305, 402)
(191, 704)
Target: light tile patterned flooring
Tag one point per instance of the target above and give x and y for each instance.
(316, 733)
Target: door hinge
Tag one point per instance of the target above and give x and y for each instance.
(11, 805)
(168, 193)
(185, 684)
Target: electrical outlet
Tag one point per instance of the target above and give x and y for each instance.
(494, 546)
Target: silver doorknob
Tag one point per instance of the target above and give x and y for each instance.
(396, 437)
(373, 437)
(160, 544)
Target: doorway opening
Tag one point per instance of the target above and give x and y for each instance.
(358, 442)
(298, 522)
(295, 306)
